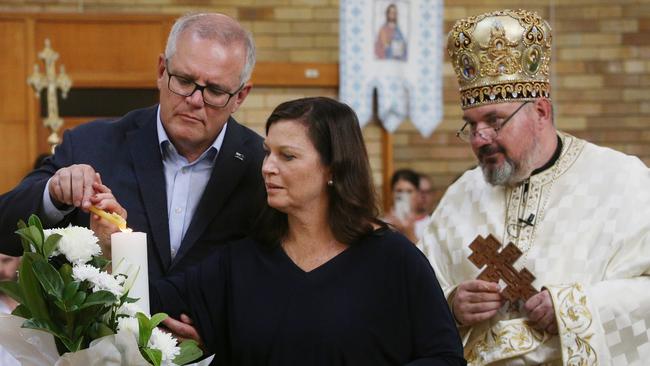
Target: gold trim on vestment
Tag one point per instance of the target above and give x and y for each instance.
(575, 325)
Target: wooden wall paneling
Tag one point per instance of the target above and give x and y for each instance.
(14, 119)
(165, 28)
(296, 74)
(33, 120)
(105, 52)
(15, 159)
(12, 69)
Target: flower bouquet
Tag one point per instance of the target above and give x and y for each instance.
(73, 312)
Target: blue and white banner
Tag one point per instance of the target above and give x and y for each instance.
(395, 46)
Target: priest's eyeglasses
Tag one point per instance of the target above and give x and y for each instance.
(489, 133)
(212, 96)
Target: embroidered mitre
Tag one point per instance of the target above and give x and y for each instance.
(501, 56)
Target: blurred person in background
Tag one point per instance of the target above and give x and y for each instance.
(403, 215)
(426, 197)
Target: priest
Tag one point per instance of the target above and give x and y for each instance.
(577, 212)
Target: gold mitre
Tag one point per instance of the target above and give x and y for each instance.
(502, 56)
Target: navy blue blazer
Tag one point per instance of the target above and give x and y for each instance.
(127, 155)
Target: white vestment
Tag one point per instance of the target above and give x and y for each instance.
(588, 243)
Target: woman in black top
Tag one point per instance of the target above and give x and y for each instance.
(322, 281)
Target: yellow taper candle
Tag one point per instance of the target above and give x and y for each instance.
(112, 217)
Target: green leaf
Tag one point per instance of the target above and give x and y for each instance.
(26, 247)
(70, 290)
(51, 244)
(13, 290)
(91, 314)
(153, 355)
(98, 330)
(145, 329)
(156, 319)
(22, 311)
(190, 351)
(72, 345)
(99, 298)
(33, 295)
(36, 222)
(49, 278)
(66, 273)
(43, 325)
(128, 300)
(26, 238)
(37, 230)
(100, 262)
(37, 236)
(78, 330)
(33, 236)
(62, 305)
(78, 299)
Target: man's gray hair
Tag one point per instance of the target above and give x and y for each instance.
(216, 27)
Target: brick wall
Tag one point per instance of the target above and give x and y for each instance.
(601, 72)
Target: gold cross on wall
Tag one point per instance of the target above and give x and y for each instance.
(52, 81)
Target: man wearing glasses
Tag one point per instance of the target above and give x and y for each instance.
(185, 171)
(577, 212)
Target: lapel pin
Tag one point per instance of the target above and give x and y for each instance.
(239, 156)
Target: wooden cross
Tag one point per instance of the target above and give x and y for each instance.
(52, 81)
(485, 252)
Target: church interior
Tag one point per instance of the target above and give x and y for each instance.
(600, 72)
(537, 256)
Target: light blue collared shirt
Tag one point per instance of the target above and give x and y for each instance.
(185, 182)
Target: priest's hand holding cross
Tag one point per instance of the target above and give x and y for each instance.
(475, 301)
(541, 312)
(478, 300)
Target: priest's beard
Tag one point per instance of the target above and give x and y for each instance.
(510, 172)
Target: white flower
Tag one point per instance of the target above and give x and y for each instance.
(166, 343)
(99, 280)
(128, 325)
(85, 272)
(78, 244)
(105, 281)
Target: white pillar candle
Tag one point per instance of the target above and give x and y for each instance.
(129, 257)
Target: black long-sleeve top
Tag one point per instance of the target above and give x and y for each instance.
(376, 303)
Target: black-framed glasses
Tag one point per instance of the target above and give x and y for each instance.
(185, 87)
(488, 133)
